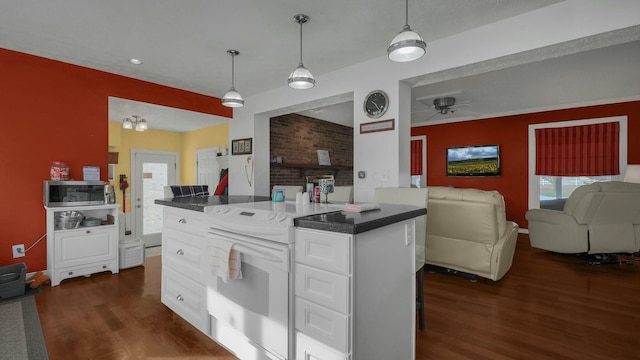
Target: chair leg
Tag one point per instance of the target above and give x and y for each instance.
(420, 297)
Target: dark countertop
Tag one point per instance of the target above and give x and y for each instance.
(198, 203)
(338, 221)
(356, 223)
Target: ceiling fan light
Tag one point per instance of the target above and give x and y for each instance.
(301, 78)
(127, 124)
(232, 99)
(406, 46)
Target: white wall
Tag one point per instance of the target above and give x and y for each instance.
(384, 156)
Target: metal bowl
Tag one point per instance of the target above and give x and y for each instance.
(91, 222)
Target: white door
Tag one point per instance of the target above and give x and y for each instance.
(207, 169)
(421, 180)
(151, 172)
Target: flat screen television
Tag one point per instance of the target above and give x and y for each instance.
(479, 160)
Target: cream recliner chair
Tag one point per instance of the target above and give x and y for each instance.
(341, 195)
(417, 197)
(600, 218)
(467, 231)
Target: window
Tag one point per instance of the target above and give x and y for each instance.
(550, 190)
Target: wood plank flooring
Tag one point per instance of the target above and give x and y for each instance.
(548, 306)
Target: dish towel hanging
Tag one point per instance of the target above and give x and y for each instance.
(225, 261)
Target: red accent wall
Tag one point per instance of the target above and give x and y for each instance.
(511, 132)
(50, 110)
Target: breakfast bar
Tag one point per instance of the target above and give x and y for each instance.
(312, 275)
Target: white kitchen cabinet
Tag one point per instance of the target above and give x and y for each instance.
(84, 250)
(355, 294)
(184, 265)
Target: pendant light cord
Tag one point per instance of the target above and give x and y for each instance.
(406, 14)
(233, 57)
(301, 22)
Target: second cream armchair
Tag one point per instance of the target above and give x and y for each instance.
(467, 231)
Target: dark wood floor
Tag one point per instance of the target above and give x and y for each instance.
(548, 306)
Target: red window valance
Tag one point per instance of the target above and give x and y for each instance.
(587, 150)
(416, 157)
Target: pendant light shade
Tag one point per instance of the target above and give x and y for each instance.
(232, 98)
(301, 78)
(407, 45)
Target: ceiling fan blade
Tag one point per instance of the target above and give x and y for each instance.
(432, 116)
(467, 111)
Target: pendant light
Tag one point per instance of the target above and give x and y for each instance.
(407, 45)
(301, 78)
(232, 98)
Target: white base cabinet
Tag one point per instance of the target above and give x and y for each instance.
(85, 250)
(355, 294)
(184, 264)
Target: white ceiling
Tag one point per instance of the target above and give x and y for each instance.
(183, 44)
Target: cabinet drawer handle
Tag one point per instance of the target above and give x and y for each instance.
(104, 266)
(179, 298)
(182, 221)
(88, 232)
(180, 252)
(70, 272)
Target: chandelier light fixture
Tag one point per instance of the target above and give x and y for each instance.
(301, 78)
(137, 123)
(407, 45)
(232, 98)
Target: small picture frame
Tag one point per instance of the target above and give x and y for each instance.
(377, 126)
(241, 146)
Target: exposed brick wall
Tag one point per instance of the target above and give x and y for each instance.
(296, 139)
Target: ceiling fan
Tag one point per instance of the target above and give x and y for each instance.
(447, 105)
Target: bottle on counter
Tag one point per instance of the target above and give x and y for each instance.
(316, 194)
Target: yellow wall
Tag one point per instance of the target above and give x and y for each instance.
(185, 144)
(212, 136)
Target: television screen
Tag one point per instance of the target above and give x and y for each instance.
(481, 160)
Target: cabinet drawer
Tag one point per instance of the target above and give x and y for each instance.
(325, 325)
(185, 253)
(323, 250)
(68, 273)
(83, 246)
(323, 287)
(310, 349)
(185, 297)
(185, 220)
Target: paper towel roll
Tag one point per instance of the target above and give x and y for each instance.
(298, 197)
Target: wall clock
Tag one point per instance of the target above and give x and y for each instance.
(376, 104)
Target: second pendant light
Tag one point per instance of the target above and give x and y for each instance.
(301, 78)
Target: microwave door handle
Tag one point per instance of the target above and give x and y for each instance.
(259, 254)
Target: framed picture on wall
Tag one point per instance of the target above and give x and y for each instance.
(241, 146)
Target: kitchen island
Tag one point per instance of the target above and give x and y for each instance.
(351, 276)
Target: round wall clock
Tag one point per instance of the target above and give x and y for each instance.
(376, 104)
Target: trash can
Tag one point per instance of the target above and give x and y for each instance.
(131, 253)
(13, 280)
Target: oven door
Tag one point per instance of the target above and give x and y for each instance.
(257, 305)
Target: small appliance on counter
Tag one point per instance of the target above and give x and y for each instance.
(109, 194)
(73, 193)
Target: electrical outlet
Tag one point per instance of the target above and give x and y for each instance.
(18, 250)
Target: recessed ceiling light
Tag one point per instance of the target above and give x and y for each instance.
(135, 61)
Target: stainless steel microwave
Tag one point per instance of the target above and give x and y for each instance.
(73, 193)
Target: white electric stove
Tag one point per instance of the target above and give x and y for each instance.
(252, 316)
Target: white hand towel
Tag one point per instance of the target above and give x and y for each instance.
(360, 207)
(225, 261)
